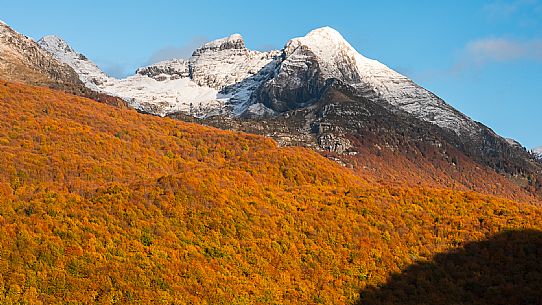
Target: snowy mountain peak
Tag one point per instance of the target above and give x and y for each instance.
(317, 39)
(234, 41)
(52, 42)
(335, 57)
(324, 54)
(324, 35)
(240, 78)
(538, 152)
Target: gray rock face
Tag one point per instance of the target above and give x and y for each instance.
(303, 72)
(333, 143)
(296, 83)
(233, 42)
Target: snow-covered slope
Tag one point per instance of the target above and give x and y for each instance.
(538, 152)
(166, 96)
(88, 72)
(219, 78)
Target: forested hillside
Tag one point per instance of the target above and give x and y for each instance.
(106, 205)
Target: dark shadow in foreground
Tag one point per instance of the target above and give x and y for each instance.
(505, 269)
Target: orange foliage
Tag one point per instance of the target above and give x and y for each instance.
(106, 205)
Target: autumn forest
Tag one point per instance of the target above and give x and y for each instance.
(109, 206)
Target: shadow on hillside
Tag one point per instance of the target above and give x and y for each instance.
(505, 269)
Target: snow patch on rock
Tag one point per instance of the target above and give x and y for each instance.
(88, 72)
(225, 62)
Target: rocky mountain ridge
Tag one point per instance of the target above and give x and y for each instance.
(323, 54)
(23, 60)
(318, 91)
(217, 79)
(88, 72)
(249, 82)
(224, 77)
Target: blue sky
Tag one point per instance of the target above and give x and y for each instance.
(482, 57)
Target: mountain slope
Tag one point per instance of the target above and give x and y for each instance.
(100, 204)
(287, 82)
(223, 78)
(388, 146)
(22, 59)
(311, 62)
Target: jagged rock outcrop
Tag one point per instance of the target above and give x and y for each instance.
(225, 58)
(164, 70)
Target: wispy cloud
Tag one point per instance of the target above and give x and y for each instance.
(506, 9)
(503, 49)
(183, 51)
(481, 52)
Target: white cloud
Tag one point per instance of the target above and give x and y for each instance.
(482, 52)
(503, 49)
